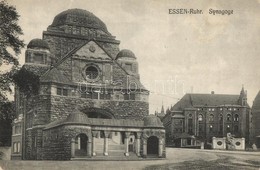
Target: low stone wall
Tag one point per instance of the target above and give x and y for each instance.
(219, 143)
(231, 144)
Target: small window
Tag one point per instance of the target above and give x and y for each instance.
(38, 58)
(211, 118)
(200, 118)
(228, 117)
(128, 67)
(94, 95)
(59, 91)
(236, 118)
(91, 72)
(220, 117)
(62, 91)
(65, 92)
(15, 147)
(18, 147)
(130, 96)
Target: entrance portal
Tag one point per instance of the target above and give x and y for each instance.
(81, 145)
(153, 145)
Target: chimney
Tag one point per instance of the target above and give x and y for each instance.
(212, 92)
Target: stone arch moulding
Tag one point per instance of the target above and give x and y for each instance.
(156, 133)
(78, 131)
(98, 110)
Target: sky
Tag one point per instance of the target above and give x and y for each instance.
(177, 53)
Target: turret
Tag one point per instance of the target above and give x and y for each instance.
(127, 60)
(38, 52)
(243, 97)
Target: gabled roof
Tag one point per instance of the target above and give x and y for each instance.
(124, 83)
(54, 75)
(70, 53)
(256, 103)
(81, 119)
(198, 100)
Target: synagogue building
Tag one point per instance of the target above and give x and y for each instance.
(79, 96)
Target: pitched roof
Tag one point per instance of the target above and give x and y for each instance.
(184, 136)
(256, 103)
(54, 75)
(96, 122)
(197, 100)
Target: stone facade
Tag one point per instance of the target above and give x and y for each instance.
(77, 69)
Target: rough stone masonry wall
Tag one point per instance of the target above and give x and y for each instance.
(57, 141)
(60, 46)
(62, 106)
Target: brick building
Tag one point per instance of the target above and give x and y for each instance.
(199, 117)
(256, 120)
(79, 95)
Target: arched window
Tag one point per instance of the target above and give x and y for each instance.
(228, 117)
(236, 118)
(211, 117)
(200, 118)
(220, 117)
(190, 124)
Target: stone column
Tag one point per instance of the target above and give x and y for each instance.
(160, 147)
(243, 143)
(89, 151)
(144, 147)
(72, 148)
(138, 136)
(106, 133)
(78, 142)
(127, 134)
(224, 143)
(94, 135)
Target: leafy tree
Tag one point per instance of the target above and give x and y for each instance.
(10, 48)
(7, 114)
(10, 45)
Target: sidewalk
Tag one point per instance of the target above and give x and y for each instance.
(225, 151)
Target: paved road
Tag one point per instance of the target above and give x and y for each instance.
(176, 159)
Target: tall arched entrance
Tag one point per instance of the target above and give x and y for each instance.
(81, 142)
(152, 146)
(98, 113)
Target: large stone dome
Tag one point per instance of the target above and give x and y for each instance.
(38, 43)
(152, 121)
(79, 17)
(125, 53)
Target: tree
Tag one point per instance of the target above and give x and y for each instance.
(7, 115)
(10, 48)
(9, 43)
